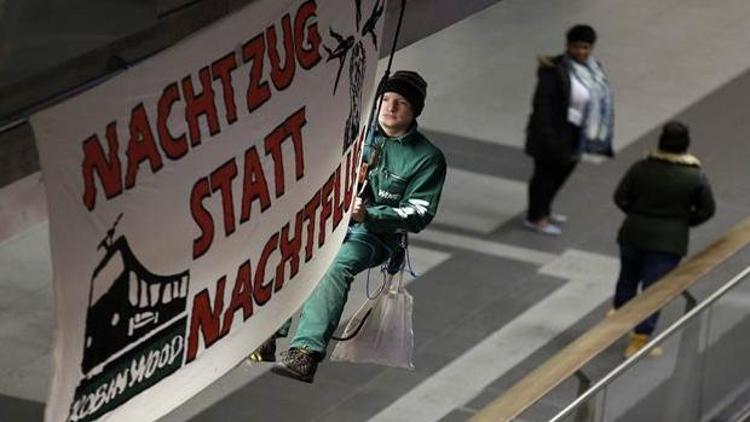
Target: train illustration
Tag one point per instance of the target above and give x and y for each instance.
(127, 302)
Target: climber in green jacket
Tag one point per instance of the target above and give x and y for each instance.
(401, 195)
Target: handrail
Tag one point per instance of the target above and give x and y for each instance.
(651, 344)
(605, 333)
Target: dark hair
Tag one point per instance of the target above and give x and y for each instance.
(582, 33)
(675, 137)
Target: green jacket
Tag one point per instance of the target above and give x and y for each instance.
(663, 196)
(404, 186)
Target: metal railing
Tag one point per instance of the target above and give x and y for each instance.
(570, 360)
(696, 311)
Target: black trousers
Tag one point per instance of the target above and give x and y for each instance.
(548, 178)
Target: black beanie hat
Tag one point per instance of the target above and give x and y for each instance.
(581, 33)
(675, 137)
(409, 85)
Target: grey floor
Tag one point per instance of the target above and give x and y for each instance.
(493, 300)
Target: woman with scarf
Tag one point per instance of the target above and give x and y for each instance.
(572, 113)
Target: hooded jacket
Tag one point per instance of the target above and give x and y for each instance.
(663, 196)
(549, 136)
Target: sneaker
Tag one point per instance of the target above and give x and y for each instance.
(544, 228)
(266, 352)
(298, 363)
(638, 342)
(558, 218)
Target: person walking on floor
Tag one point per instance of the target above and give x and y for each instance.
(572, 112)
(662, 195)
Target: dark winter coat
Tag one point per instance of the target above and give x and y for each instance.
(549, 135)
(663, 196)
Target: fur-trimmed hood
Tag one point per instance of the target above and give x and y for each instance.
(548, 60)
(684, 159)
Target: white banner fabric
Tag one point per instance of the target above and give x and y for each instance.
(197, 198)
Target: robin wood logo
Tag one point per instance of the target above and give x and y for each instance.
(135, 329)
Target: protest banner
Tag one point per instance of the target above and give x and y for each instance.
(197, 198)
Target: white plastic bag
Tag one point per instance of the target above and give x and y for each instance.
(386, 337)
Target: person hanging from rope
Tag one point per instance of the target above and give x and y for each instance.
(402, 195)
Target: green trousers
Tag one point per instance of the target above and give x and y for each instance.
(321, 312)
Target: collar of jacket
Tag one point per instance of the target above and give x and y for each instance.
(557, 65)
(684, 159)
(401, 138)
(549, 60)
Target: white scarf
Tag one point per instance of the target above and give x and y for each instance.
(598, 119)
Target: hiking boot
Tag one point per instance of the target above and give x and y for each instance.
(266, 352)
(298, 363)
(638, 342)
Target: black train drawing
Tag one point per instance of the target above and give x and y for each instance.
(127, 301)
